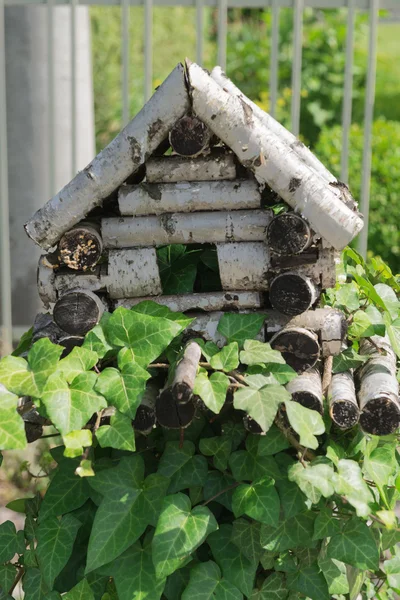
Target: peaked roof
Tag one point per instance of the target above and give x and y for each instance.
(263, 145)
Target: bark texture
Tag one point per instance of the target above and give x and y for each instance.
(219, 165)
(133, 272)
(306, 389)
(343, 406)
(208, 302)
(145, 419)
(78, 311)
(244, 266)
(185, 374)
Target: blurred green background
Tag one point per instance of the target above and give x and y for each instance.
(248, 57)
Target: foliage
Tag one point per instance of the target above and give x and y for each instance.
(210, 511)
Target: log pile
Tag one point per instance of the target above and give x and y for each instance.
(196, 166)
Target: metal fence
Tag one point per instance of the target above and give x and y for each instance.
(298, 6)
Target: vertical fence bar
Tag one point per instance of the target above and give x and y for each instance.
(50, 92)
(148, 49)
(5, 258)
(348, 93)
(222, 32)
(125, 60)
(199, 31)
(368, 122)
(298, 6)
(73, 88)
(274, 62)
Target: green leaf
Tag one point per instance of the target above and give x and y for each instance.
(96, 340)
(27, 378)
(70, 406)
(355, 545)
(192, 474)
(212, 390)
(177, 582)
(369, 291)
(75, 441)
(348, 359)
(7, 576)
(361, 326)
(293, 500)
(123, 389)
(272, 442)
(24, 343)
(180, 530)
(148, 307)
(146, 336)
(310, 582)
(34, 585)
(325, 525)
(219, 485)
(349, 482)
(135, 576)
(380, 464)
(208, 349)
(256, 352)
(393, 330)
(392, 569)
(389, 297)
(206, 583)
(119, 434)
(249, 466)
(282, 373)
(262, 404)
(314, 481)
(226, 360)
(260, 501)
(306, 422)
(347, 297)
(130, 503)
(82, 591)
(55, 542)
(238, 327)
(65, 493)
(335, 575)
(235, 566)
(175, 457)
(12, 429)
(78, 361)
(178, 268)
(246, 536)
(219, 447)
(18, 505)
(11, 541)
(291, 533)
(85, 468)
(273, 588)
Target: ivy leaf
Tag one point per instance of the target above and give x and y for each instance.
(282, 373)
(96, 341)
(380, 464)
(293, 500)
(346, 360)
(235, 566)
(208, 349)
(349, 482)
(130, 503)
(123, 389)
(355, 545)
(219, 485)
(273, 588)
(272, 442)
(78, 361)
(146, 336)
(34, 585)
(260, 501)
(206, 583)
(348, 297)
(178, 268)
(27, 378)
(238, 327)
(314, 481)
(175, 457)
(325, 525)
(82, 591)
(11, 541)
(262, 404)
(389, 297)
(246, 536)
(12, 429)
(256, 352)
(75, 441)
(393, 330)
(180, 530)
(55, 540)
(65, 493)
(219, 447)
(226, 360)
(361, 326)
(392, 569)
(291, 533)
(148, 307)
(7, 577)
(335, 575)
(212, 390)
(134, 574)
(70, 406)
(192, 474)
(310, 582)
(119, 434)
(306, 422)
(249, 466)
(177, 582)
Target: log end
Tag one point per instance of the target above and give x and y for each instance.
(292, 293)
(189, 136)
(145, 420)
(308, 400)
(299, 348)
(288, 234)
(78, 311)
(80, 248)
(182, 392)
(345, 414)
(172, 415)
(380, 416)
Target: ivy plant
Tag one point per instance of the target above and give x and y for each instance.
(209, 511)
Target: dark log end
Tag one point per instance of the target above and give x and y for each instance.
(69, 342)
(182, 392)
(299, 349)
(80, 248)
(288, 234)
(33, 431)
(380, 416)
(251, 425)
(291, 294)
(172, 415)
(345, 414)
(189, 136)
(77, 312)
(144, 420)
(308, 400)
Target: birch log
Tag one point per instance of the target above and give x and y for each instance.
(208, 302)
(288, 234)
(378, 395)
(272, 161)
(180, 228)
(252, 426)
(343, 406)
(279, 130)
(306, 389)
(111, 167)
(81, 247)
(78, 311)
(70, 342)
(181, 388)
(133, 272)
(292, 293)
(188, 197)
(172, 415)
(299, 347)
(243, 266)
(219, 165)
(145, 418)
(189, 136)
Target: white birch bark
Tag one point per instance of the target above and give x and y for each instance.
(243, 266)
(272, 161)
(171, 169)
(205, 325)
(185, 373)
(46, 281)
(94, 281)
(145, 419)
(181, 228)
(306, 389)
(114, 164)
(186, 197)
(343, 406)
(133, 272)
(211, 301)
(332, 320)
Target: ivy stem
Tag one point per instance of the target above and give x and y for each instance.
(17, 579)
(230, 487)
